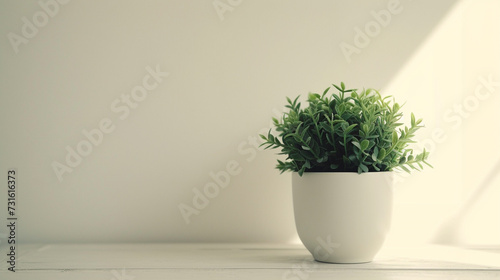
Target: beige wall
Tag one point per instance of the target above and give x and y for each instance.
(67, 69)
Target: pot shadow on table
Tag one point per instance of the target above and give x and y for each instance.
(438, 259)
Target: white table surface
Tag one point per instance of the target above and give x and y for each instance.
(240, 261)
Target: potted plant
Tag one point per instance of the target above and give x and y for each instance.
(342, 150)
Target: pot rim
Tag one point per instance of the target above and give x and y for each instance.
(334, 172)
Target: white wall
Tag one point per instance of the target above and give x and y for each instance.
(229, 72)
(458, 201)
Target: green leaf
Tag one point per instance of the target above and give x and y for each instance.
(306, 155)
(366, 128)
(301, 171)
(313, 96)
(394, 137)
(340, 108)
(364, 144)
(356, 143)
(381, 154)
(375, 154)
(326, 126)
(271, 137)
(363, 168)
(361, 131)
(346, 161)
(395, 108)
(349, 128)
(322, 159)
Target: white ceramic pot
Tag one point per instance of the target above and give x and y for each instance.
(342, 217)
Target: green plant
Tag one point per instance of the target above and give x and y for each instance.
(345, 132)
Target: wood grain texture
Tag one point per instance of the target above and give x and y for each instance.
(241, 261)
